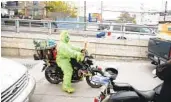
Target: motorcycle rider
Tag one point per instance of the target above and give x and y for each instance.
(65, 52)
(164, 73)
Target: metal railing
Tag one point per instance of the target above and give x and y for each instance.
(49, 25)
(105, 47)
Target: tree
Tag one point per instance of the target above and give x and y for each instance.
(126, 18)
(62, 8)
(21, 12)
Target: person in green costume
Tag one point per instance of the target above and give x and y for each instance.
(65, 52)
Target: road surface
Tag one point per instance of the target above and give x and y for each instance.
(137, 73)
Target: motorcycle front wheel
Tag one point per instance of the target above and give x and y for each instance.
(89, 79)
(51, 75)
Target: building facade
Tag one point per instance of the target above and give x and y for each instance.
(28, 8)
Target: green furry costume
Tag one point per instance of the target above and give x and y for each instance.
(65, 52)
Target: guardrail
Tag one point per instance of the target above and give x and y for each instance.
(14, 44)
(79, 26)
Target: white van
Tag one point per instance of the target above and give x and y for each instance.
(131, 32)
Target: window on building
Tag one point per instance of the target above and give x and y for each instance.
(12, 3)
(35, 12)
(35, 2)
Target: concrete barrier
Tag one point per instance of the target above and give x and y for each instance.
(13, 44)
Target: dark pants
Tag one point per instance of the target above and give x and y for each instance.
(165, 93)
(55, 25)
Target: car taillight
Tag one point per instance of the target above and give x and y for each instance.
(96, 99)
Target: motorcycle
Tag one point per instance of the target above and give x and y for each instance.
(122, 92)
(53, 72)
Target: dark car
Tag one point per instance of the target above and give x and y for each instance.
(159, 50)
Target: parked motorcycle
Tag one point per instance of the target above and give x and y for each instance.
(122, 92)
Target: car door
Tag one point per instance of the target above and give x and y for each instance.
(146, 33)
(117, 31)
(131, 32)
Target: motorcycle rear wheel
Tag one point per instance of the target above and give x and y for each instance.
(51, 76)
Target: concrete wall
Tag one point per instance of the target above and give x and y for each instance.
(22, 45)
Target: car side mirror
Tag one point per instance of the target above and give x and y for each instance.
(153, 32)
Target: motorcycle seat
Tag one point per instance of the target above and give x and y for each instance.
(148, 95)
(122, 86)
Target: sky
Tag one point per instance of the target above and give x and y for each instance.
(94, 6)
(116, 5)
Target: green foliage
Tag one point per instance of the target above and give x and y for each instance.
(21, 12)
(61, 7)
(126, 18)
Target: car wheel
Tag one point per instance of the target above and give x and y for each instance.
(119, 38)
(124, 38)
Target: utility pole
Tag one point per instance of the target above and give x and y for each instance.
(78, 15)
(101, 11)
(85, 20)
(165, 11)
(25, 8)
(142, 14)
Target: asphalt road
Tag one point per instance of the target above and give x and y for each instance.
(137, 73)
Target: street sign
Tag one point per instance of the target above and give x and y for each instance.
(94, 17)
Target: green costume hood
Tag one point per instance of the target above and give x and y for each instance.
(64, 36)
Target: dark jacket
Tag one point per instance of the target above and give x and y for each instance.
(165, 75)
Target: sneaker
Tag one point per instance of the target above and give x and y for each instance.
(68, 90)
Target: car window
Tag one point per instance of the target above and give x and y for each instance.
(132, 29)
(117, 28)
(145, 30)
(108, 27)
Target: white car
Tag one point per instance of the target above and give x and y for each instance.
(16, 83)
(131, 32)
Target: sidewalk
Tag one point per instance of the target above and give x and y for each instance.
(137, 73)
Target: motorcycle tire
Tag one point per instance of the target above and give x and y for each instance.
(48, 77)
(88, 80)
